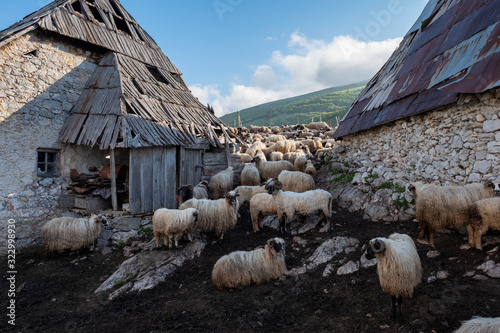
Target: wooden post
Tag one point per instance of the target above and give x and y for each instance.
(114, 201)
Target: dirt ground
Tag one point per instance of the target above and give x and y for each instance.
(56, 294)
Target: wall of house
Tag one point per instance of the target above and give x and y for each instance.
(453, 146)
(40, 80)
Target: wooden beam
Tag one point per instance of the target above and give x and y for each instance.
(112, 167)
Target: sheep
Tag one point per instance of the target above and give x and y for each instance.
(173, 223)
(480, 325)
(261, 204)
(246, 267)
(275, 138)
(261, 155)
(254, 147)
(244, 157)
(283, 146)
(217, 215)
(300, 163)
(318, 125)
(246, 193)
(399, 268)
(276, 156)
(310, 169)
(296, 181)
(69, 233)
(271, 169)
(291, 157)
(221, 183)
(289, 204)
(313, 145)
(250, 175)
(438, 207)
(483, 215)
(186, 192)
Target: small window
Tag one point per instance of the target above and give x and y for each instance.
(48, 162)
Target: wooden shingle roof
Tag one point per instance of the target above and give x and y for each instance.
(136, 96)
(453, 48)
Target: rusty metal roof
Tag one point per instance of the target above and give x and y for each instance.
(136, 96)
(453, 48)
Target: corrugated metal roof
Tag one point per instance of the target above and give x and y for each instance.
(136, 96)
(453, 48)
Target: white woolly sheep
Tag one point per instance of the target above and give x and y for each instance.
(480, 325)
(261, 204)
(300, 163)
(217, 215)
(261, 155)
(252, 150)
(284, 146)
(310, 169)
(173, 223)
(275, 138)
(399, 268)
(296, 181)
(438, 207)
(245, 193)
(244, 157)
(69, 233)
(318, 125)
(276, 156)
(221, 183)
(271, 169)
(291, 157)
(290, 204)
(242, 268)
(250, 175)
(483, 215)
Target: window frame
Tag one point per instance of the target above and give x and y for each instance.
(46, 163)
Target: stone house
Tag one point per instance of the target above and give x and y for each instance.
(83, 87)
(432, 112)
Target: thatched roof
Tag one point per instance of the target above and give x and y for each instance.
(136, 96)
(453, 48)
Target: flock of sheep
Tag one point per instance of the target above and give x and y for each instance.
(278, 179)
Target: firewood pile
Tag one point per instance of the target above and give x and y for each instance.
(98, 182)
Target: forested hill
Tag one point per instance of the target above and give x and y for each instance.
(325, 105)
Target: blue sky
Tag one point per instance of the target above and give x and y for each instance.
(239, 53)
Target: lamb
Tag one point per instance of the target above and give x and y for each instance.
(250, 175)
(289, 204)
(318, 125)
(310, 169)
(221, 183)
(217, 215)
(480, 325)
(186, 192)
(296, 181)
(271, 169)
(399, 268)
(246, 267)
(261, 204)
(438, 207)
(173, 223)
(246, 193)
(483, 215)
(69, 233)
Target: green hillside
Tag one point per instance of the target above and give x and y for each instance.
(324, 105)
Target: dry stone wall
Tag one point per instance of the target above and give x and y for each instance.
(453, 146)
(40, 80)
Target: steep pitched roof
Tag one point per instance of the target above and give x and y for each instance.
(453, 48)
(136, 97)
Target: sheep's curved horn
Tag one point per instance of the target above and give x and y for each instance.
(377, 246)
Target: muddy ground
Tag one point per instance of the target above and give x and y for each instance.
(56, 294)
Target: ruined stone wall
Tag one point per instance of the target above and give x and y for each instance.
(453, 146)
(40, 80)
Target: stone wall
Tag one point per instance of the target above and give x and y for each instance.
(454, 146)
(40, 80)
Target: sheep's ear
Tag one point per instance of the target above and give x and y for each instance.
(489, 184)
(278, 185)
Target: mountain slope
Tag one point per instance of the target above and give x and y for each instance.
(325, 105)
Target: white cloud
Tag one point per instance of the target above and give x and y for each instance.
(308, 65)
